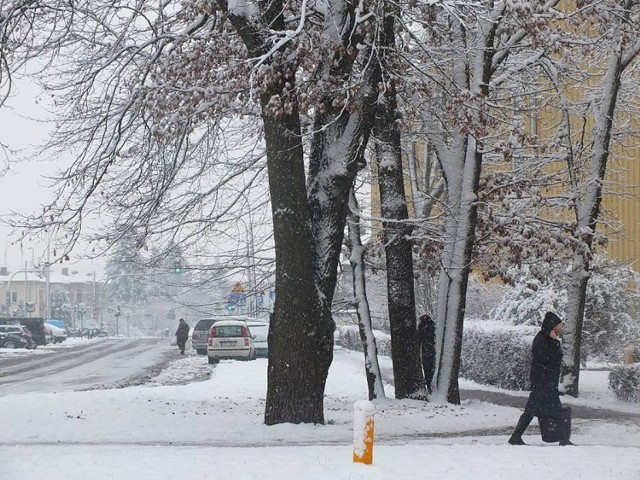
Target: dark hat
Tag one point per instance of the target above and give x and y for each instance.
(550, 321)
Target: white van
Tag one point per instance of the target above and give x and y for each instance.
(260, 332)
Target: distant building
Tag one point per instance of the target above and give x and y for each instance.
(24, 293)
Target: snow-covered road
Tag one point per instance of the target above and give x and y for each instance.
(83, 365)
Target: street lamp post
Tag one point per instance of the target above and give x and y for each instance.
(251, 266)
(25, 271)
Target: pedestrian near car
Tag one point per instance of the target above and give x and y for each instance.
(544, 400)
(427, 338)
(182, 334)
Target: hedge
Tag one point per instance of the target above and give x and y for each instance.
(348, 336)
(497, 355)
(491, 354)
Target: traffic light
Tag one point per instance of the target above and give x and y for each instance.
(230, 308)
(177, 268)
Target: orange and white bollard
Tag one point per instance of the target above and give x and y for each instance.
(363, 412)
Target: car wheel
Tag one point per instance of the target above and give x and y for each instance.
(9, 345)
(210, 360)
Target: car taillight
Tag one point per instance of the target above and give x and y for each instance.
(246, 342)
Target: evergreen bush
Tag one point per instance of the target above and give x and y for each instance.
(624, 381)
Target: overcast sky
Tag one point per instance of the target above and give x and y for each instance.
(25, 187)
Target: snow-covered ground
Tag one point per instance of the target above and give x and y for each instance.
(214, 429)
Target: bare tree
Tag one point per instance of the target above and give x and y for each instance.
(358, 270)
(611, 48)
(407, 371)
(152, 98)
(473, 51)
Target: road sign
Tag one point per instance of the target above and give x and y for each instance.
(237, 299)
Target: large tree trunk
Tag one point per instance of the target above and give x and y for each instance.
(405, 349)
(308, 229)
(301, 330)
(337, 149)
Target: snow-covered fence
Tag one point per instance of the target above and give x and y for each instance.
(624, 381)
(497, 354)
(348, 336)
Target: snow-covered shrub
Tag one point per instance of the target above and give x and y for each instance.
(527, 302)
(482, 297)
(348, 336)
(494, 354)
(624, 381)
(612, 307)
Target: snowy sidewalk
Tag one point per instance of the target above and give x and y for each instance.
(214, 429)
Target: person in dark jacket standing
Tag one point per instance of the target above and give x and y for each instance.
(427, 337)
(182, 334)
(546, 361)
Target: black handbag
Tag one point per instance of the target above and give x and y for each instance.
(554, 429)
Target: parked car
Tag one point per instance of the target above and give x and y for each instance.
(230, 339)
(200, 333)
(260, 332)
(93, 332)
(58, 335)
(16, 336)
(58, 323)
(34, 324)
(12, 341)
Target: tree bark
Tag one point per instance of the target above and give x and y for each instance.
(369, 347)
(588, 211)
(301, 330)
(337, 149)
(454, 275)
(405, 349)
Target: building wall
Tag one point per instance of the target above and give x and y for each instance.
(81, 293)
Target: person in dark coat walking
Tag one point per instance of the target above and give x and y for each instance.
(182, 334)
(546, 361)
(427, 337)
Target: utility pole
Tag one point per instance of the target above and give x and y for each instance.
(47, 310)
